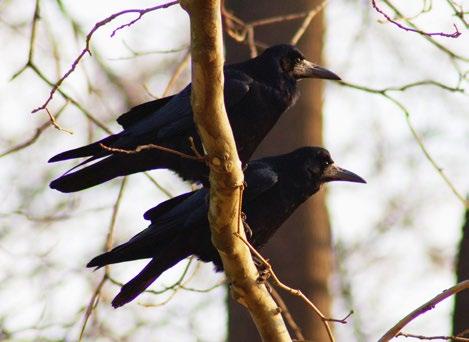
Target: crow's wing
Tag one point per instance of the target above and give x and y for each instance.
(142, 111)
(164, 207)
(157, 120)
(167, 220)
(259, 178)
(176, 116)
(169, 217)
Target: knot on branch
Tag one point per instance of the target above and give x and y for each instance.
(238, 294)
(225, 165)
(221, 164)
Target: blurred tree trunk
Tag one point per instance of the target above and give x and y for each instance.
(301, 251)
(461, 305)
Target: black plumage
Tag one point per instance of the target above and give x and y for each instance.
(256, 93)
(276, 186)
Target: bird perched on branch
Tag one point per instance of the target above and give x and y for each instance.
(179, 227)
(256, 92)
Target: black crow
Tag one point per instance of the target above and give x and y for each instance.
(179, 227)
(256, 93)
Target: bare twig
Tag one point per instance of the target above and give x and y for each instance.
(194, 149)
(36, 135)
(455, 34)
(107, 247)
(286, 313)
(135, 54)
(464, 285)
(86, 50)
(430, 338)
(151, 147)
(295, 292)
(428, 156)
(180, 68)
(158, 185)
(431, 39)
(307, 21)
(458, 12)
(30, 64)
(244, 32)
(55, 124)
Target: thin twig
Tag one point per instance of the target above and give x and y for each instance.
(151, 147)
(180, 68)
(296, 292)
(455, 34)
(286, 313)
(427, 154)
(427, 37)
(428, 338)
(107, 247)
(55, 123)
(243, 32)
(251, 41)
(86, 50)
(36, 135)
(464, 285)
(420, 143)
(158, 185)
(194, 149)
(145, 53)
(307, 21)
(94, 120)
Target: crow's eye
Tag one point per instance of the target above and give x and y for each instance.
(297, 60)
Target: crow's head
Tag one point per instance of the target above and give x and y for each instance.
(287, 59)
(318, 167)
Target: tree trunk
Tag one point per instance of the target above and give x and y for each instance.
(226, 176)
(301, 251)
(461, 304)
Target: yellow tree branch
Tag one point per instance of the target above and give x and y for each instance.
(226, 176)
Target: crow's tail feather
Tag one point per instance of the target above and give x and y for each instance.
(95, 149)
(135, 249)
(170, 257)
(102, 171)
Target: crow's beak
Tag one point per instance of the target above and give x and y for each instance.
(335, 173)
(306, 69)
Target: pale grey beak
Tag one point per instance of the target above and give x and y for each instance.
(335, 173)
(306, 69)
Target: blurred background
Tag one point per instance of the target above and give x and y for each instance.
(380, 250)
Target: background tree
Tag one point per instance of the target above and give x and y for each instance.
(461, 304)
(301, 251)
